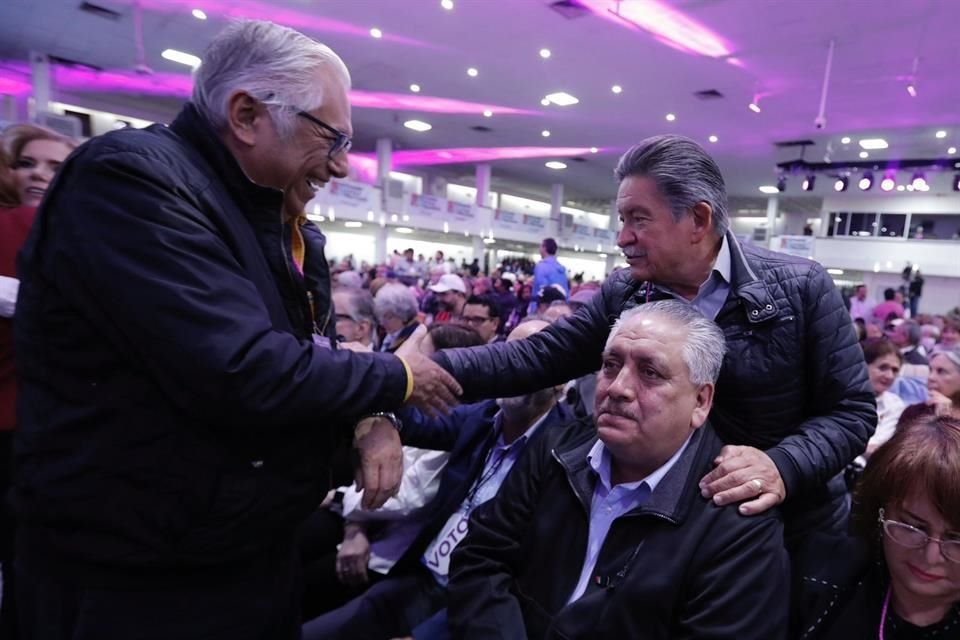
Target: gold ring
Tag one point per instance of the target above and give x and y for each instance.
(758, 484)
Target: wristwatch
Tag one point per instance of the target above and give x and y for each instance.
(389, 415)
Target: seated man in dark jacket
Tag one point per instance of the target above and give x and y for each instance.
(793, 401)
(609, 537)
(485, 441)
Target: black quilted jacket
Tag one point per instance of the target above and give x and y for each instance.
(793, 382)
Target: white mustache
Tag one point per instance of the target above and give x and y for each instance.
(634, 253)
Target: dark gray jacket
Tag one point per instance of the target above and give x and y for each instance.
(793, 382)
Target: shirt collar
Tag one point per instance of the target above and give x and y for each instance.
(722, 264)
(498, 426)
(599, 460)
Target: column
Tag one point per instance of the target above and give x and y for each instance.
(384, 160)
(483, 174)
(556, 203)
(40, 74)
(772, 208)
(380, 248)
(478, 249)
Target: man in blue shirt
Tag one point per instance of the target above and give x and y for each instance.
(548, 272)
(607, 535)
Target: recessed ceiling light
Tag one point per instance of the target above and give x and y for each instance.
(900, 187)
(415, 88)
(952, 150)
(845, 140)
(769, 188)
(864, 155)
(447, 4)
(418, 125)
(671, 117)
(353, 224)
(713, 138)
(554, 164)
(873, 143)
(562, 99)
(753, 106)
(594, 149)
(489, 241)
(403, 230)
(544, 53)
(488, 114)
(545, 102)
(472, 72)
(545, 133)
(616, 88)
(376, 33)
(941, 134)
(199, 14)
(179, 56)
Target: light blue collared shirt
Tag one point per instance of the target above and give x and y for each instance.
(713, 291)
(612, 501)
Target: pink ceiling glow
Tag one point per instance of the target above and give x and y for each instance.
(664, 23)
(85, 79)
(403, 101)
(301, 20)
(424, 157)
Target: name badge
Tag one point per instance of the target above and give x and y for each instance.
(322, 341)
(437, 556)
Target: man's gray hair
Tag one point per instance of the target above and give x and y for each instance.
(359, 304)
(703, 346)
(911, 329)
(397, 300)
(274, 64)
(684, 173)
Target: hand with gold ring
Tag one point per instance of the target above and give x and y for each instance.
(747, 475)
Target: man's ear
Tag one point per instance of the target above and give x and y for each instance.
(702, 216)
(702, 409)
(244, 117)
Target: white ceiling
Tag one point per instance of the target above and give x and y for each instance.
(781, 45)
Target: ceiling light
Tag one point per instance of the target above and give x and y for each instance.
(418, 125)
(889, 182)
(782, 183)
(841, 184)
(808, 182)
(545, 133)
(864, 155)
(199, 14)
(845, 140)
(472, 72)
(753, 106)
(912, 90)
(353, 224)
(956, 182)
(941, 134)
(835, 272)
(873, 143)
(376, 33)
(415, 88)
(544, 53)
(545, 102)
(616, 88)
(487, 113)
(447, 4)
(866, 182)
(403, 230)
(594, 150)
(489, 241)
(562, 99)
(179, 56)
(713, 138)
(769, 188)
(952, 150)
(554, 164)
(909, 187)
(900, 187)
(671, 117)
(919, 181)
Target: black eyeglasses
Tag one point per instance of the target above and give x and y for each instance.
(909, 536)
(341, 141)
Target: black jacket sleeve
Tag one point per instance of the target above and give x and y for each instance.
(842, 407)
(135, 253)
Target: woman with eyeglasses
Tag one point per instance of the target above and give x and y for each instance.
(898, 578)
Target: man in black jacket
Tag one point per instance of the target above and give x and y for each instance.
(794, 403)
(607, 536)
(181, 389)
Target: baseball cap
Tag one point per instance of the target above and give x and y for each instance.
(449, 282)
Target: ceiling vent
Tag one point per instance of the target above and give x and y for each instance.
(482, 129)
(708, 94)
(97, 10)
(569, 9)
(578, 159)
(794, 143)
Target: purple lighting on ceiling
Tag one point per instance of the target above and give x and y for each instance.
(85, 79)
(375, 100)
(302, 20)
(664, 23)
(424, 157)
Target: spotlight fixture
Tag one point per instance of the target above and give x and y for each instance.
(616, 88)
(866, 182)
(952, 150)
(845, 140)
(544, 53)
(199, 14)
(782, 183)
(941, 134)
(670, 117)
(472, 72)
(841, 184)
(808, 182)
(447, 4)
(753, 106)
(713, 138)
(376, 33)
(912, 90)
(919, 182)
(888, 183)
(415, 88)
(956, 182)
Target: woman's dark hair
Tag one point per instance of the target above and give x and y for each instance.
(922, 456)
(451, 336)
(875, 348)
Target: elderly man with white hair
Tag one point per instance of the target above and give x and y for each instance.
(182, 391)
